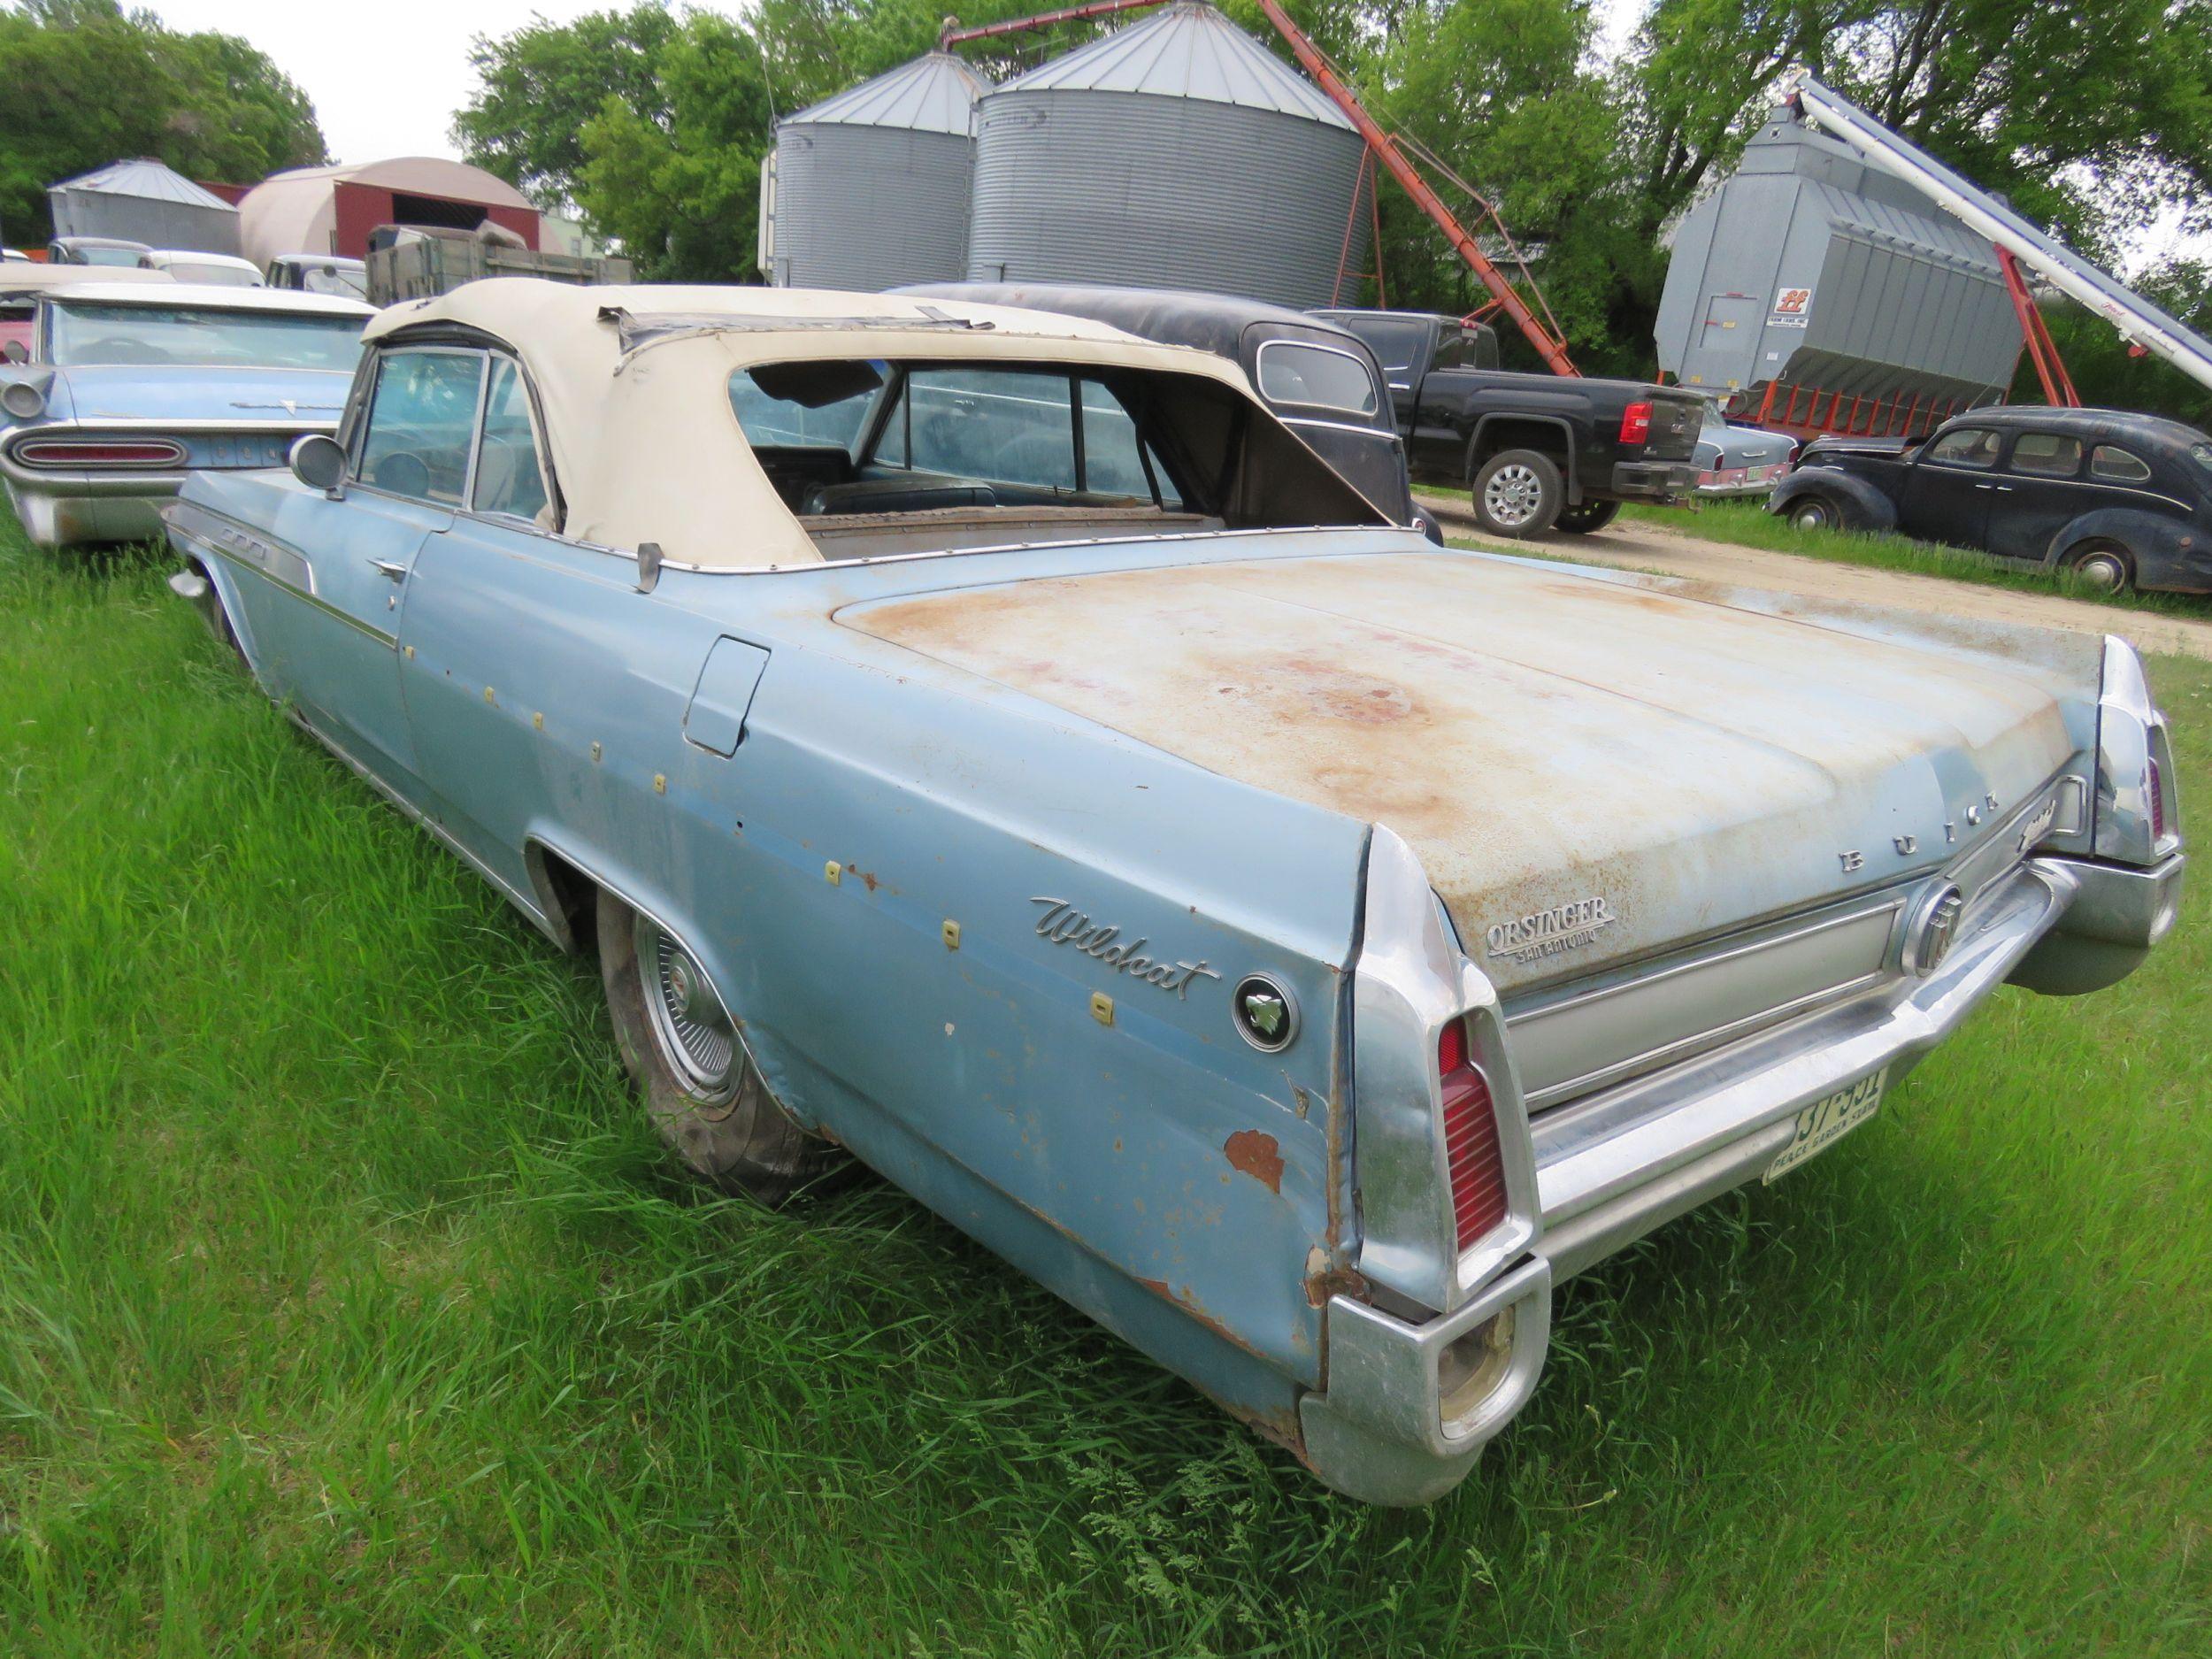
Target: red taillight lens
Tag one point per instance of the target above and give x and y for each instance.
(98, 452)
(1636, 422)
(1471, 1152)
(2154, 784)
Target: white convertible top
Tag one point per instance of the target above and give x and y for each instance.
(634, 385)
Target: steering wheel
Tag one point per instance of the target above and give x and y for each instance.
(403, 472)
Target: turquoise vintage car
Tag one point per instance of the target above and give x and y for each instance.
(994, 747)
(117, 389)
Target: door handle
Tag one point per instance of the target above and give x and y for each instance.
(389, 567)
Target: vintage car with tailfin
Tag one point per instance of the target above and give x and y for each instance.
(120, 389)
(995, 749)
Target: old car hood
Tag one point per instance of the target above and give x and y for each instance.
(1544, 737)
(176, 392)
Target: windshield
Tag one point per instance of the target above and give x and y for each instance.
(236, 276)
(339, 279)
(1321, 377)
(208, 337)
(107, 256)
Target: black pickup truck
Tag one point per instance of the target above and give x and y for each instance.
(1536, 451)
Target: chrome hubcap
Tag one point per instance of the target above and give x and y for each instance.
(692, 1026)
(1513, 495)
(2101, 569)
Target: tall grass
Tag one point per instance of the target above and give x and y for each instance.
(347, 1308)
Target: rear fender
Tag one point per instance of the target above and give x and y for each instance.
(1509, 430)
(2167, 552)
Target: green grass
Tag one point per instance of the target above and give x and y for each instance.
(347, 1308)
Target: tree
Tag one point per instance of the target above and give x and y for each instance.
(87, 85)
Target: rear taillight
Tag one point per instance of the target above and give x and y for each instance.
(1472, 1153)
(99, 452)
(1636, 422)
(2154, 786)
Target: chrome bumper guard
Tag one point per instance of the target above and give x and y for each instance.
(1611, 1168)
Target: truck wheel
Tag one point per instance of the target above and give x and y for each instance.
(1592, 515)
(1518, 493)
(2101, 565)
(701, 1089)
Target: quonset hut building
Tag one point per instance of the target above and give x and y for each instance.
(1176, 153)
(1813, 292)
(870, 189)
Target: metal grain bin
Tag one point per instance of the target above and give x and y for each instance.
(872, 186)
(1176, 153)
(144, 201)
(1813, 288)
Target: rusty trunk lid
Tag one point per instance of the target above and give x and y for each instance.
(1592, 767)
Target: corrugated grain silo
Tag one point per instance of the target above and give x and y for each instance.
(872, 186)
(1176, 153)
(1812, 274)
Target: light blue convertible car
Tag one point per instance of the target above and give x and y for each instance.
(110, 392)
(995, 749)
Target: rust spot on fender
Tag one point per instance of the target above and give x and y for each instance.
(1253, 1153)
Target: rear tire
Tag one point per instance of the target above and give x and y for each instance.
(1517, 493)
(1592, 515)
(2104, 565)
(702, 1091)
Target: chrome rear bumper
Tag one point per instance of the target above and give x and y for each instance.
(1389, 1427)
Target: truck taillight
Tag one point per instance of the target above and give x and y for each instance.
(1636, 422)
(1472, 1153)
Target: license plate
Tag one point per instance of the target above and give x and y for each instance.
(1826, 1121)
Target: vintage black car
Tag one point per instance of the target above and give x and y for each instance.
(2124, 499)
(1320, 380)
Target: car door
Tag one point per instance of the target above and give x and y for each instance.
(1947, 488)
(2036, 492)
(412, 451)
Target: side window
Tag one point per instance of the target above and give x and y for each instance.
(997, 424)
(1970, 446)
(510, 472)
(421, 424)
(1115, 460)
(2046, 454)
(2117, 466)
(1451, 353)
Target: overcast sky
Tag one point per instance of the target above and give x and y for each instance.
(384, 79)
(387, 78)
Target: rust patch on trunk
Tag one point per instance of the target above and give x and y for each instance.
(1253, 1153)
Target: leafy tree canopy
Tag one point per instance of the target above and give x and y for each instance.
(87, 84)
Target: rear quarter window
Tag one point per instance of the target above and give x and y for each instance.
(1315, 377)
(2115, 465)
